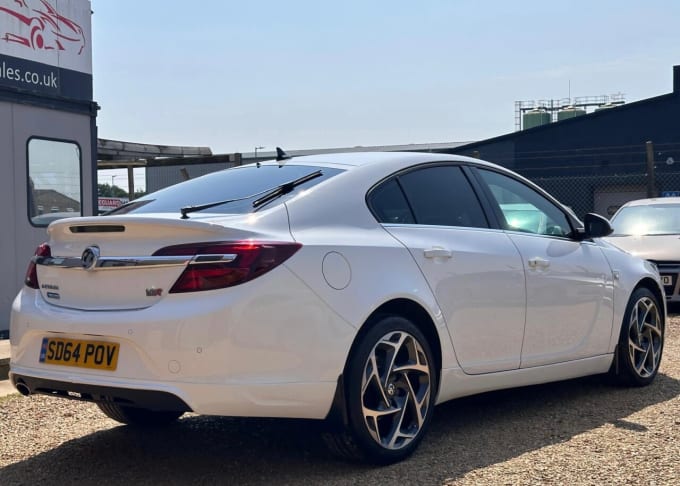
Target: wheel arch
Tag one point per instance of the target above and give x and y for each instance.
(412, 311)
(622, 371)
(402, 307)
(651, 285)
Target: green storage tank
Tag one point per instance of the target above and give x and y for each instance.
(569, 112)
(535, 118)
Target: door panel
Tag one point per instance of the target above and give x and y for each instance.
(568, 283)
(569, 299)
(477, 278)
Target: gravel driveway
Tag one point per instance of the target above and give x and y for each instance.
(576, 432)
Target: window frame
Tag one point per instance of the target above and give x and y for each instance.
(498, 212)
(487, 212)
(29, 193)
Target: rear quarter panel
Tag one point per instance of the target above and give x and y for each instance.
(377, 268)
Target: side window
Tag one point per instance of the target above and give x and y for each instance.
(54, 187)
(523, 208)
(442, 195)
(389, 204)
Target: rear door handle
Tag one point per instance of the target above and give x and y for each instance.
(538, 262)
(437, 252)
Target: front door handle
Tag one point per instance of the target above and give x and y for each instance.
(437, 252)
(538, 262)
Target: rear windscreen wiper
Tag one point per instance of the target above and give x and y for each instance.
(284, 188)
(268, 195)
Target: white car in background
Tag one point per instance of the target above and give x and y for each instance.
(360, 288)
(650, 229)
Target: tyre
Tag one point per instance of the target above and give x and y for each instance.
(638, 355)
(390, 384)
(140, 417)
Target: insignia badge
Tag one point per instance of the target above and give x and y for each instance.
(89, 257)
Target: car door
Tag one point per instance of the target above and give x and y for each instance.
(568, 283)
(475, 272)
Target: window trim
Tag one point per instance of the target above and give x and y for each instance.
(28, 175)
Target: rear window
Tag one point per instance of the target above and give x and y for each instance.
(247, 184)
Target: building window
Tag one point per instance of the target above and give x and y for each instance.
(53, 181)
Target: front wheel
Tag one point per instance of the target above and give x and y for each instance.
(390, 387)
(140, 417)
(638, 355)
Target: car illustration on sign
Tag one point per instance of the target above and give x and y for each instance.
(40, 26)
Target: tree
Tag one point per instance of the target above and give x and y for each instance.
(106, 190)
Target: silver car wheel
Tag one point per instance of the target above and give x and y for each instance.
(396, 390)
(645, 337)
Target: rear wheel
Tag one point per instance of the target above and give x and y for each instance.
(142, 417)
(638, 355)
(390, 387)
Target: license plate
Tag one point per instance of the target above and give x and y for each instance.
(666, 279)
(99, 355)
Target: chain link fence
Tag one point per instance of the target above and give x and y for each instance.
(604, 194)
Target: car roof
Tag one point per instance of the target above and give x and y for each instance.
(654, 200)
(396, 160)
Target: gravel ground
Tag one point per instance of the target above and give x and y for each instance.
(575, 432)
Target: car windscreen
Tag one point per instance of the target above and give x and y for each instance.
(238, 187)
(652, 219)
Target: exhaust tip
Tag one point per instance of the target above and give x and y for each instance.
(23, 389)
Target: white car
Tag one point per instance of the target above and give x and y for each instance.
(650, 229)
(360, 288)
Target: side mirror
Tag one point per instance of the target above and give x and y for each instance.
(594, 226)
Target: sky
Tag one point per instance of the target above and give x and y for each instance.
(235, 75)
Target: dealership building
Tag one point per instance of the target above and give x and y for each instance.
(47, 127)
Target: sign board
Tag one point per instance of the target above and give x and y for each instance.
(109, 203)
(670, 193)
(46, 47)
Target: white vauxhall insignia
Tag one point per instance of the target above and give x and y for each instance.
(360, 288)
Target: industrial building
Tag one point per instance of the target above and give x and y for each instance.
(595, 161)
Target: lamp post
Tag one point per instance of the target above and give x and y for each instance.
(256, 149)
(112, 178)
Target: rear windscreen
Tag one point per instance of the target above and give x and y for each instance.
(245, 184)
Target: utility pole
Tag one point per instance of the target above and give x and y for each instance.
(651, 190)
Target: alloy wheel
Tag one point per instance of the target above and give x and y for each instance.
(645, 337)
(396, 390)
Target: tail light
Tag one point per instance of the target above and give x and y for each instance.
(217, 265)
(31, 279)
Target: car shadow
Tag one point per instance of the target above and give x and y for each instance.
(466, 434)
(673, 309)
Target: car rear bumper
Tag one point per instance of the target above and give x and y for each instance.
(268, 348)
(150, 399)
(277, 400)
